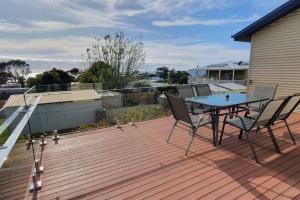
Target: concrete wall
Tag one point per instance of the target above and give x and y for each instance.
(57, 116)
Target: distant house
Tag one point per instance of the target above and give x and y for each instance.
(275, 48)
(227, 71)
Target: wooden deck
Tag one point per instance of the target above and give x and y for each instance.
(15, 174)
(136, 163)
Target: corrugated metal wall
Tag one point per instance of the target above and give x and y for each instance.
(275, 55)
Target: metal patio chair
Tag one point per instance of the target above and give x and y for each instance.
(203, 90)
(188, 91)
(263, 89)
(285, 113)
(185, 91)
(182, 116)
(263, 119)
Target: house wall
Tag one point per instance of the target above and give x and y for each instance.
(213, 75)
(238, 74)
(275, 55)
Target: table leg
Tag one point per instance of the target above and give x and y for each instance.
(213, 117)
(216, 124)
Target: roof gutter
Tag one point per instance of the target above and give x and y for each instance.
(245, 34)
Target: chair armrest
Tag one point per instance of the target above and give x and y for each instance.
(243, 123)
(240, 118)
(201, 118)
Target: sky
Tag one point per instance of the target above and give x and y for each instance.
(180, 34)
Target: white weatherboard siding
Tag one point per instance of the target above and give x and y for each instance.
(275, 55)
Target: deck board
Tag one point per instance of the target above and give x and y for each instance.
(137, 163)
(14, 177)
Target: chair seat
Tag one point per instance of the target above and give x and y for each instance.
(256, 107)
(238, 123)
(195, 119)
(201, 110)
(254, 116)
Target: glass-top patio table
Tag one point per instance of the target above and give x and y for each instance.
(223, 101)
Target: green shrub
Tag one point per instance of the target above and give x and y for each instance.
(166, 90)
(100, 124)
(140, 113)
(139, 83)
(137, 98)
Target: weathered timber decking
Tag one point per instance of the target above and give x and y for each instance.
(137, 163)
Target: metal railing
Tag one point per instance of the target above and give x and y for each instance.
(199, 81)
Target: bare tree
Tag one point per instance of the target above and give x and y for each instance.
(125, 56)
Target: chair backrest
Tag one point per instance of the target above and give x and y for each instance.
(268, 112)
(179, 109)
(266, 90)
(203, 89)
(289, 107)
(185, 91)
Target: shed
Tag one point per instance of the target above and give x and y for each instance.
(58, 110)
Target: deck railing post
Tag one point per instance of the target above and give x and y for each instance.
(36, 182)
(118, 125)
(56, 136)
(132, 123)
(43, 142)
(29, 140)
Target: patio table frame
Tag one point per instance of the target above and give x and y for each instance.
(218, 102)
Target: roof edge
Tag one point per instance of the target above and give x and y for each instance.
(245, 34)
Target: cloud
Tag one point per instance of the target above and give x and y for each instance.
(60, 48)
(174, 53)
(49, 25)
(47, 43)
(111, 14)
(67, 51)
(43, 54)
(165, 8)
(103, 13)
(73, 15)
(35, 26)
(5, 26)
(188, 21)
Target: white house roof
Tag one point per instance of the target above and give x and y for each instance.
(53, 97)
(227, 66)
